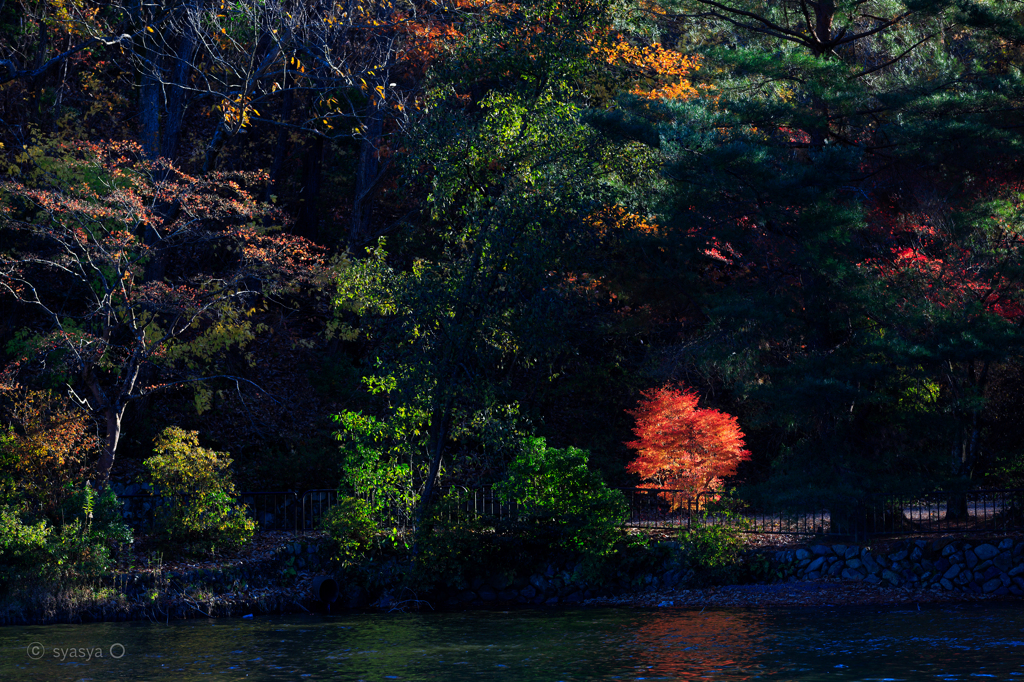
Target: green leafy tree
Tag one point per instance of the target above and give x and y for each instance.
(199, 507)
(510, 181)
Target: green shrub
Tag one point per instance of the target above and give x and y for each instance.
(562, 502)
(713, 551)
(376, 455)
(201, 511)
(8, 465)
(633, 557)
(92, 528)
(83, 543)
(351, 529)
(101, 511)
(453, 547)
(712, 547)
(24, 547)
(758, 568)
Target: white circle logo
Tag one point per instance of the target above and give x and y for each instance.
(116, 647)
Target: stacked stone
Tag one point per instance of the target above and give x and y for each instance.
(556, 585)
(992, 567)
(553, 586)
(307, 555)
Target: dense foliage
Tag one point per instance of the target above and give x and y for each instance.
(199, 510)
(394, 249)
(683, 448)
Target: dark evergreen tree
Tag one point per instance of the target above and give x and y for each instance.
(836, 201)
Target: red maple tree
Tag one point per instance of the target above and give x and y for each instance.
(683, 448)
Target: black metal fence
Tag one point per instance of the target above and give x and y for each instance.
(945, 512)
(976, 511)
(279, 510)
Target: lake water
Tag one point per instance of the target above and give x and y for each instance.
(964, 642)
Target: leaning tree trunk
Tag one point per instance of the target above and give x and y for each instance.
(226, 131)
(112, 412)
(369, 174)
(282, 144)
(441, 418)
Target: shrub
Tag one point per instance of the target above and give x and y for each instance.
(558, 496)
(101, 511)
(92, 528)
(713, 546)
(46, 457)
(201, 511)
(375, 455)
(8, 465)
(351, 529)
(452, 547)
(54, 525)
(24, 547)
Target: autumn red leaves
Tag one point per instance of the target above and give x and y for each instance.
(682, 447)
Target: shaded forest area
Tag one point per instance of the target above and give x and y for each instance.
(389, 243)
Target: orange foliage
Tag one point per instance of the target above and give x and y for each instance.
(612, 218)
(52, 446)
(681, 447)
(136, 334)
(653, 63)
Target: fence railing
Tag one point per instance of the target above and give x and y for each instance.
(278, 510)
(976, 511)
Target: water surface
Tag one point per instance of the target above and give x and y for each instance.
(950, 643)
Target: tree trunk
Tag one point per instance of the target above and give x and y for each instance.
(308, 223)
(966, 447)
(442, 418)
(368, 174)
(964, 455)
(281, 146)
(177, 94)
(112, 414)
(35, 84)
(149, 107)
(824, 13)
(220, 138)
(224, 132)
(112, 417)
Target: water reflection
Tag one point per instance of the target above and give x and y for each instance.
(812, 644)
(690, 645)
(599, 644)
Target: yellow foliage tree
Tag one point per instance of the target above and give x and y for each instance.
(200, 510)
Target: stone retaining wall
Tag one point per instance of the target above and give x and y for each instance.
(983, 567)
(992, 566)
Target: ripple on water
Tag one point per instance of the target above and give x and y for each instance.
(600, 644)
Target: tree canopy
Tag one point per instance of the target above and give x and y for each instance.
(381, 243)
